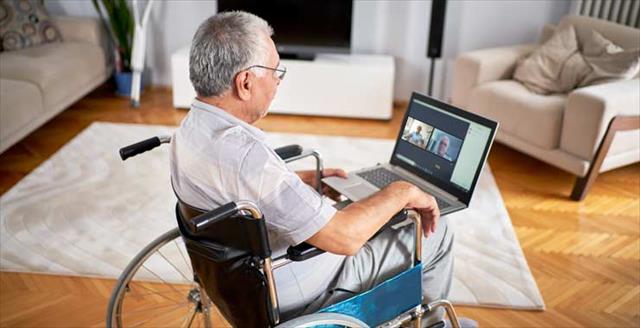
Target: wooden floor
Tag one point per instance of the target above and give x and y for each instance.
(584, 256)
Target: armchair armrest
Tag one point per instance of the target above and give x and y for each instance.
(589, 111)
(81, 29)
(476, 67)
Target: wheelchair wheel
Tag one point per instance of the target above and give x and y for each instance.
(323, 320)
(158, 288)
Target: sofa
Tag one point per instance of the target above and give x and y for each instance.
(39, 82)
(586, 131)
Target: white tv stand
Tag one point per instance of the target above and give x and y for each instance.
(359, 86)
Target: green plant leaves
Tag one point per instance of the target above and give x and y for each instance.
(121, 26)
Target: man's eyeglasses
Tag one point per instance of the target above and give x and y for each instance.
(281, 70)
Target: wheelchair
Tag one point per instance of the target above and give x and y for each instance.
(217, 265)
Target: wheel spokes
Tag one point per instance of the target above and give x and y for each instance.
(151, 292)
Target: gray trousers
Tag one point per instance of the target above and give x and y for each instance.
(388, 254)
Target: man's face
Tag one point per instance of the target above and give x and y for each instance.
(443, 146)
(267, 82)
(419, 129)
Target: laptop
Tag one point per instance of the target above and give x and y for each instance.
(440, 149)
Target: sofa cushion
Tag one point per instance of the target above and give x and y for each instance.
(531, 117)
(58, 69)
(20, 102)
(626, 37)
(25, 24)
(555, 67)
(608, 62)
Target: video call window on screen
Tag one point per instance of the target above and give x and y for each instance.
(426, 137)
(417, 133)
(445, 145)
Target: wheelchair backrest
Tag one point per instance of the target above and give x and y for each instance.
(227, 258)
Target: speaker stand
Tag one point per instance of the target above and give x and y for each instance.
(433, 65)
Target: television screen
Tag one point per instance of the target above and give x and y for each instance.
(302, 27)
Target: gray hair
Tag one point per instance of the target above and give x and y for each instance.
(223, 45)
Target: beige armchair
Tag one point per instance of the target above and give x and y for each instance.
(588, 131)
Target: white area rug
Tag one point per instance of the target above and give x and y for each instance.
(85, 212)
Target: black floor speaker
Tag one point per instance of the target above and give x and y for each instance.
(436, 28)
(436, 33)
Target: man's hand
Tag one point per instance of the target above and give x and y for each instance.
(426, 206)
(309, 177)
(352, 226)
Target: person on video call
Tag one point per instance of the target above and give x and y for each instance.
(416, 137)
(442, 147)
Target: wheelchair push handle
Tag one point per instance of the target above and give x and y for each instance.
(202, 221)
(143, 146)
(289, 151)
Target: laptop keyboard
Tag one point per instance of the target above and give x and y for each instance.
(441, 203)
(381, 177)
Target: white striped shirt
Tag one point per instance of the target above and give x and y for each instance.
(217, 158)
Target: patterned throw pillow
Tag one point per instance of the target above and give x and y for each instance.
(25, 23)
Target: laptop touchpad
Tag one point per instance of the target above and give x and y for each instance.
(360, 191)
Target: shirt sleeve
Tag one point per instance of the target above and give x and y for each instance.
(292, 210)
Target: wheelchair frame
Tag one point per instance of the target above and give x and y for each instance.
(268, 265)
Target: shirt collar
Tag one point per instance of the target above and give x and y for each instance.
(220, 113)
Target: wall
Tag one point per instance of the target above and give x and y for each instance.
(397, 28)
(173, 24)
(394, 27)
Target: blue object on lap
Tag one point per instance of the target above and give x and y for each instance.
(385, 301)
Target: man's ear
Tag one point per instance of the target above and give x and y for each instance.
(244, 83)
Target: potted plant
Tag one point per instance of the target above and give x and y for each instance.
(120, 25)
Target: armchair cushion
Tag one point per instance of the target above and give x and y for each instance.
(476, 67)
(58, 69)
(625, 36)
(534, 118)
(608, 62)
(81, 29)
(555, 67)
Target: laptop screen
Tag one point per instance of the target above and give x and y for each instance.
(443, 144)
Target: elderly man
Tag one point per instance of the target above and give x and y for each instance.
(218, 156)
(443, 147)
(416, 137)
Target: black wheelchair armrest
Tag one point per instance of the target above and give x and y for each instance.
(439, 324)
(302, 252)
(287, 152)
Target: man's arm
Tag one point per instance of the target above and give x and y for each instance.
(309, 178)
(352, 226)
